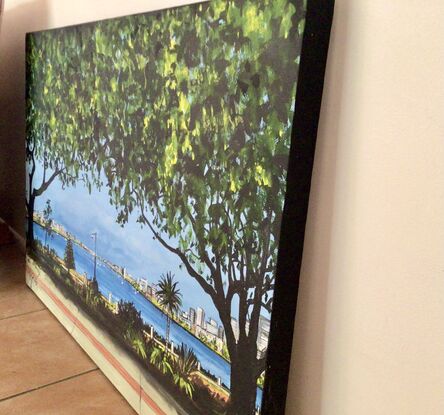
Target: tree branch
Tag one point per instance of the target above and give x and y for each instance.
(235, 287)
(257, 305)
(260, 365)
(201, 250)
(45, 185)
(202, 282)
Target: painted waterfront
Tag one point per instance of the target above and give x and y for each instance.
(114, 285)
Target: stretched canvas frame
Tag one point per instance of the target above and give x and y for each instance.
(95, 89)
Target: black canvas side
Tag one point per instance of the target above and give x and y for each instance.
(315, 43)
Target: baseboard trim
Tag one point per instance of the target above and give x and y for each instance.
(17, 237)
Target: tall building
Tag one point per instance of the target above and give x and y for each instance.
(212, 328)
(263, 333)
(192, 315)
(221, 332)
(151, 290)
(200, 317)
(235, 326)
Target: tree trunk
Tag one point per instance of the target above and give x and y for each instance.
(167, 334)
(30, 219)
(243, 383)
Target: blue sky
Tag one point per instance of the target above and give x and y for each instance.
(132, 246)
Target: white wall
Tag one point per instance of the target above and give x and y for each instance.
(370, 330)
(369, 334)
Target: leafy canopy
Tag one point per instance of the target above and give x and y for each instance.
(185, 116)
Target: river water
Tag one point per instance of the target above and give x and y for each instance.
(112, 283)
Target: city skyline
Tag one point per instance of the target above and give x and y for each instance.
(76, 200)
(171, 146)
(82, 213)
(200, 323)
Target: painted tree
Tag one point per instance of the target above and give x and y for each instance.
(58, 113)
(47, 220)
(170, 298)
(185, 116)
(69, 256)
(202, 154)
(129, 317)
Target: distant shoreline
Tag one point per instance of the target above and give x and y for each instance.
(130, 280)
(113, 267)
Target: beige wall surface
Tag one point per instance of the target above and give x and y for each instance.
(369, 336)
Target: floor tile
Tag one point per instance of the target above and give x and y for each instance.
(15, 297)
(90, 394)
(36, 350)
(42, 369)
(12, 266)
(18, 299)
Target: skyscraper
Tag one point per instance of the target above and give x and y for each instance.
(235, 326)
(263, 333)
(200, 317)
(192, 315)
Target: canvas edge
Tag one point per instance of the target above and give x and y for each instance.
(315, 42)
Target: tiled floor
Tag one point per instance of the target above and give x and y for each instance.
(42, 369)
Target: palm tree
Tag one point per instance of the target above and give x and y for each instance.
(170, 298)
(183, 367)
